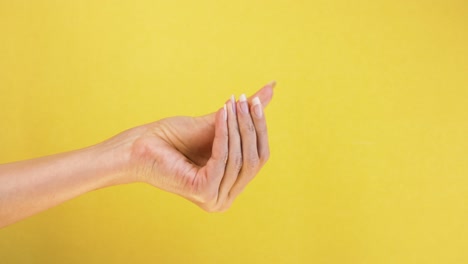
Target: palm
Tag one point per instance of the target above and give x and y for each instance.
(175, 151)
(191, 136)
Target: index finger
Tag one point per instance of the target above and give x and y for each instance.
(216, 165)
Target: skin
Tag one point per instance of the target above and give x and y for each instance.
(207, 160)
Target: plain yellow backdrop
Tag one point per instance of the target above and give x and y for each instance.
(368, 126)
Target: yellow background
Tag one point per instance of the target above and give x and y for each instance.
(368, 126)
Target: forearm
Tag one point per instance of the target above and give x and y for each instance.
(28, 187)
(208, 160)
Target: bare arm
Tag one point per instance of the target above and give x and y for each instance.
(208, 160)
(28, 187)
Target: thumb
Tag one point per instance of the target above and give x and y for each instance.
(265, 94)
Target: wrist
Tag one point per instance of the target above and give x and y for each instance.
(117, 158)
(112, 160)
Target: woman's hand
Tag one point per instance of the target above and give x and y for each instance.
(208, 160)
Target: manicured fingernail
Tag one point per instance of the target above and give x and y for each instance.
(233, 103)
(257, 106)
(243, 103)
(225, 113)
(272, 84)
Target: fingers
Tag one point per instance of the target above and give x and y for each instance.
(252, 128)
(234, 163)
(240, 148)
(217, 163)
(248, 135)
(259, 120)
(265, 94)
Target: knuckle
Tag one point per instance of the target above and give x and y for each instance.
(212, 209)
(250, 127)
(265, 156)
(226, 204)
(261, 129)
(255, 160)
(206, 197)
(252, 162)
(238, 162)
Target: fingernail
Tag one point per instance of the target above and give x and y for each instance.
(243, 103)
(257, 106)
(225, 112)
(233, 103)
(272, 84)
